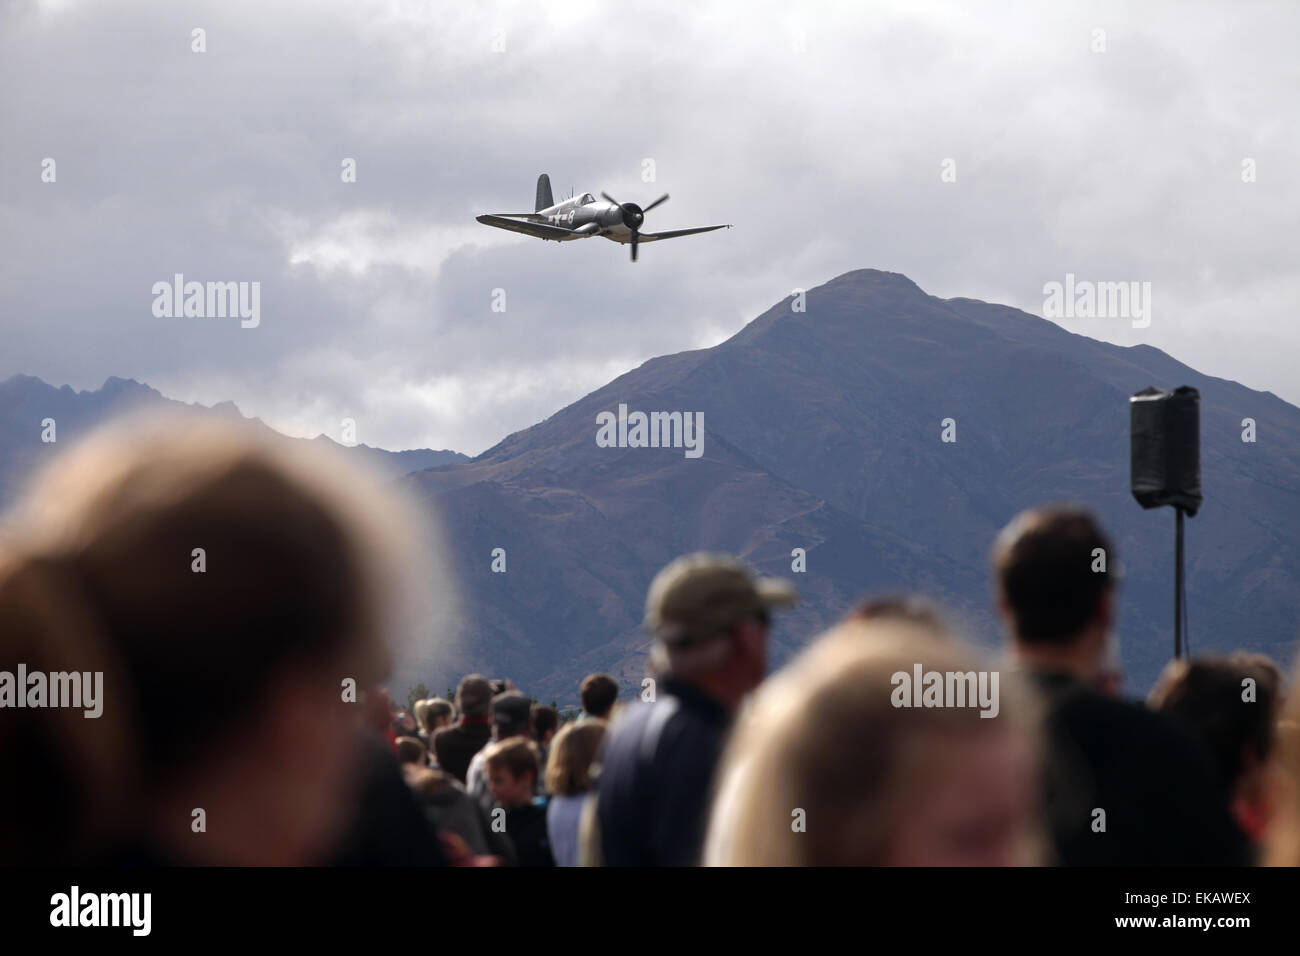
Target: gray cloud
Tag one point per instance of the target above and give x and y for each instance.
(818, 131)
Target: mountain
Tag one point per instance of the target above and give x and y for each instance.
(25, 402)
(823, 432)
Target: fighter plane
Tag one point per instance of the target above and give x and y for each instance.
(582, 216)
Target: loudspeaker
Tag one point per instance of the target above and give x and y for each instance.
(1166, 448)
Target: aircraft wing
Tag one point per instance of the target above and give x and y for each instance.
(673, 234)
(539, 229)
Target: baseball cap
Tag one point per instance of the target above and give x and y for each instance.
(510, 710)
(699, 595)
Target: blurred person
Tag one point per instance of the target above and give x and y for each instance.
(511, 767)
(456, 746)
(439, 713)
(709, 618)
(568, 782)
(877, 780)
(1231, 703)
(511, 717)
(404, 724)
(905, 607)
(420, 711)
(230, 588)
(1282, 841)
(545, 724)
(378, 705)
(1123, 785)
(599, 693)
(411, 752)
(460, 821)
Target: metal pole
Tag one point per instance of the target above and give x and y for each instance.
(1178, 583)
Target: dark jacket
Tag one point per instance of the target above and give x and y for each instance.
(390, 828)
(456, 746)
(656, 778)
(1162, 801)
(526, 827)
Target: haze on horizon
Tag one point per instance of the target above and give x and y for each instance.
(822, 134)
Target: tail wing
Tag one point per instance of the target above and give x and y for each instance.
(544, 200)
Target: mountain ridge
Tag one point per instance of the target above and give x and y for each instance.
(822, 431)
(843, 402)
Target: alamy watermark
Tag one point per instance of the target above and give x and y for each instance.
(1085, 299)
(208, 300)
(35, 689)
(75, 908)
(651, 430)
(922, 688)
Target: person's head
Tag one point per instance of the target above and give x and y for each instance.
(546, 721)
(404, 723)
(411, 750)
(1231, 704)
(230, 588)
(598, 693)
(426, 781)
(838, 761)
(1055, 575)
(511, 715)
(439, 713)
(512, 766)
(568, 768)
(421, 711)
(709, 617)
(474, 697)
(904, 607)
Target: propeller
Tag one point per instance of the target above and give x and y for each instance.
(633, 216)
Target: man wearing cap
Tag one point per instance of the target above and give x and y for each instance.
(455, 746)
(708, 616)
(511, 717)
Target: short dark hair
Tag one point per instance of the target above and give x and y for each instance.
(474, 696)
(1206, 695)
(599, 691)
(1043, 561)
(544, 719)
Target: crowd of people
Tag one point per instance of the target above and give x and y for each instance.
(245, 722)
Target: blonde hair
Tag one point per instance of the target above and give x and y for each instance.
(823, 736)
(190, 560)
(421, 714)
(568, 766)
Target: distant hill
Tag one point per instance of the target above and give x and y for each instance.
(26, 401)
(823, 433)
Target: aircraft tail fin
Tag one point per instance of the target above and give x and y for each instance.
(544, 200)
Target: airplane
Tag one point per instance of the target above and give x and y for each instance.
(582, 216)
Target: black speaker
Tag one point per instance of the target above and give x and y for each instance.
(1166, 448)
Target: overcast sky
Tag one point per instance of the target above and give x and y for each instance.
(820, 132)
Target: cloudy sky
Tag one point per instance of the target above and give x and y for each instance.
(1091, 139)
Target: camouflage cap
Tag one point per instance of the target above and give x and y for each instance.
(699, 595)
